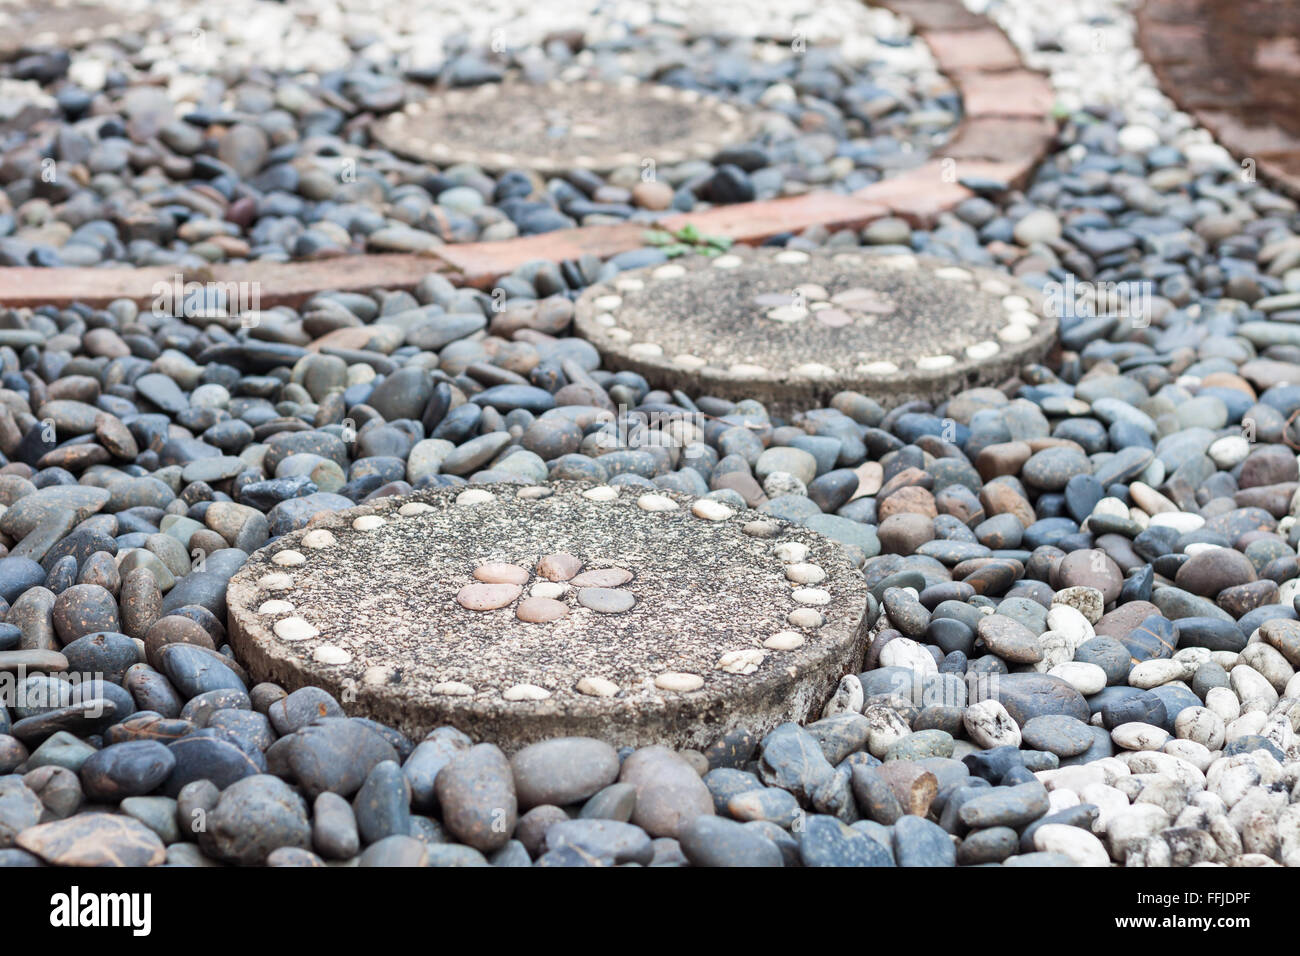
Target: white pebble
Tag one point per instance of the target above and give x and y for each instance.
(275, 607)
(600, 493)
(368, 523)
(597, 687)
(294, 629)
(1086, 678)
(452, 688)
(319, 538)
(743, 661)
(679, 682)
(805, 617)
(289, 559)
(791, 552)
(711, 510)
(525, 692)
(784, 641)
(656, 503)
(475, 496)
(1136, 735)
(805, 573)
(330, 654)
(1078, 844)
(989, 725)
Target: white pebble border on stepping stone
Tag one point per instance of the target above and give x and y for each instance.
(331, 654)
(453, 688)
(597, 687)
(805, 616)
(289, 559)
(679, 682)
(319, 538)
(711, 510)
(784, 641)
(744, 661)
(530, 692)
(1002, 316)
(295, 629)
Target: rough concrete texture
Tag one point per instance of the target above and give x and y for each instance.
(731, 325)
(559, 126)
(384, 603)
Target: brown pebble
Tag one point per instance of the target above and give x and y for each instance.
(487, 597)
(498, 572)
(539, 610)
(602, 578)
(560, 566)
(174, 629)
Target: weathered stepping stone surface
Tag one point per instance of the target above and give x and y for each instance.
(552, 128)
(702, 633)
(67, 23)
(791, 328)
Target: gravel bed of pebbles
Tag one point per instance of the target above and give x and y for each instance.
(245, 133)
(1085, 582)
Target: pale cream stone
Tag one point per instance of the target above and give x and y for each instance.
(784, 641)
(711, 510)
(597, 687)
(811, 597)
(679, 682)
(331, 654)
(522, 692)
(295, 629)
(743, 661)
(653, 502)
(319, 538)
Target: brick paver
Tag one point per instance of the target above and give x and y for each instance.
(1235, 66)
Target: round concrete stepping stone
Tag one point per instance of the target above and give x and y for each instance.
(664, 628)
(68, 23)
(556, 127)
(898, 327)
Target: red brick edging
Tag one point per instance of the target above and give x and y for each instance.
(1005, 130)
(1231, 64)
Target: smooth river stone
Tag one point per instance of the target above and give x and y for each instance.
(539, 610)
(602, 578)
(498, 572)
(487, 597)
(1009, 639)
(606, 600)
(559, 567)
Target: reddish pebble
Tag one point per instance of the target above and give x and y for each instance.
(539, 610)
(487, 597)
(498, 572)
(602, 578)
(559, 567)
